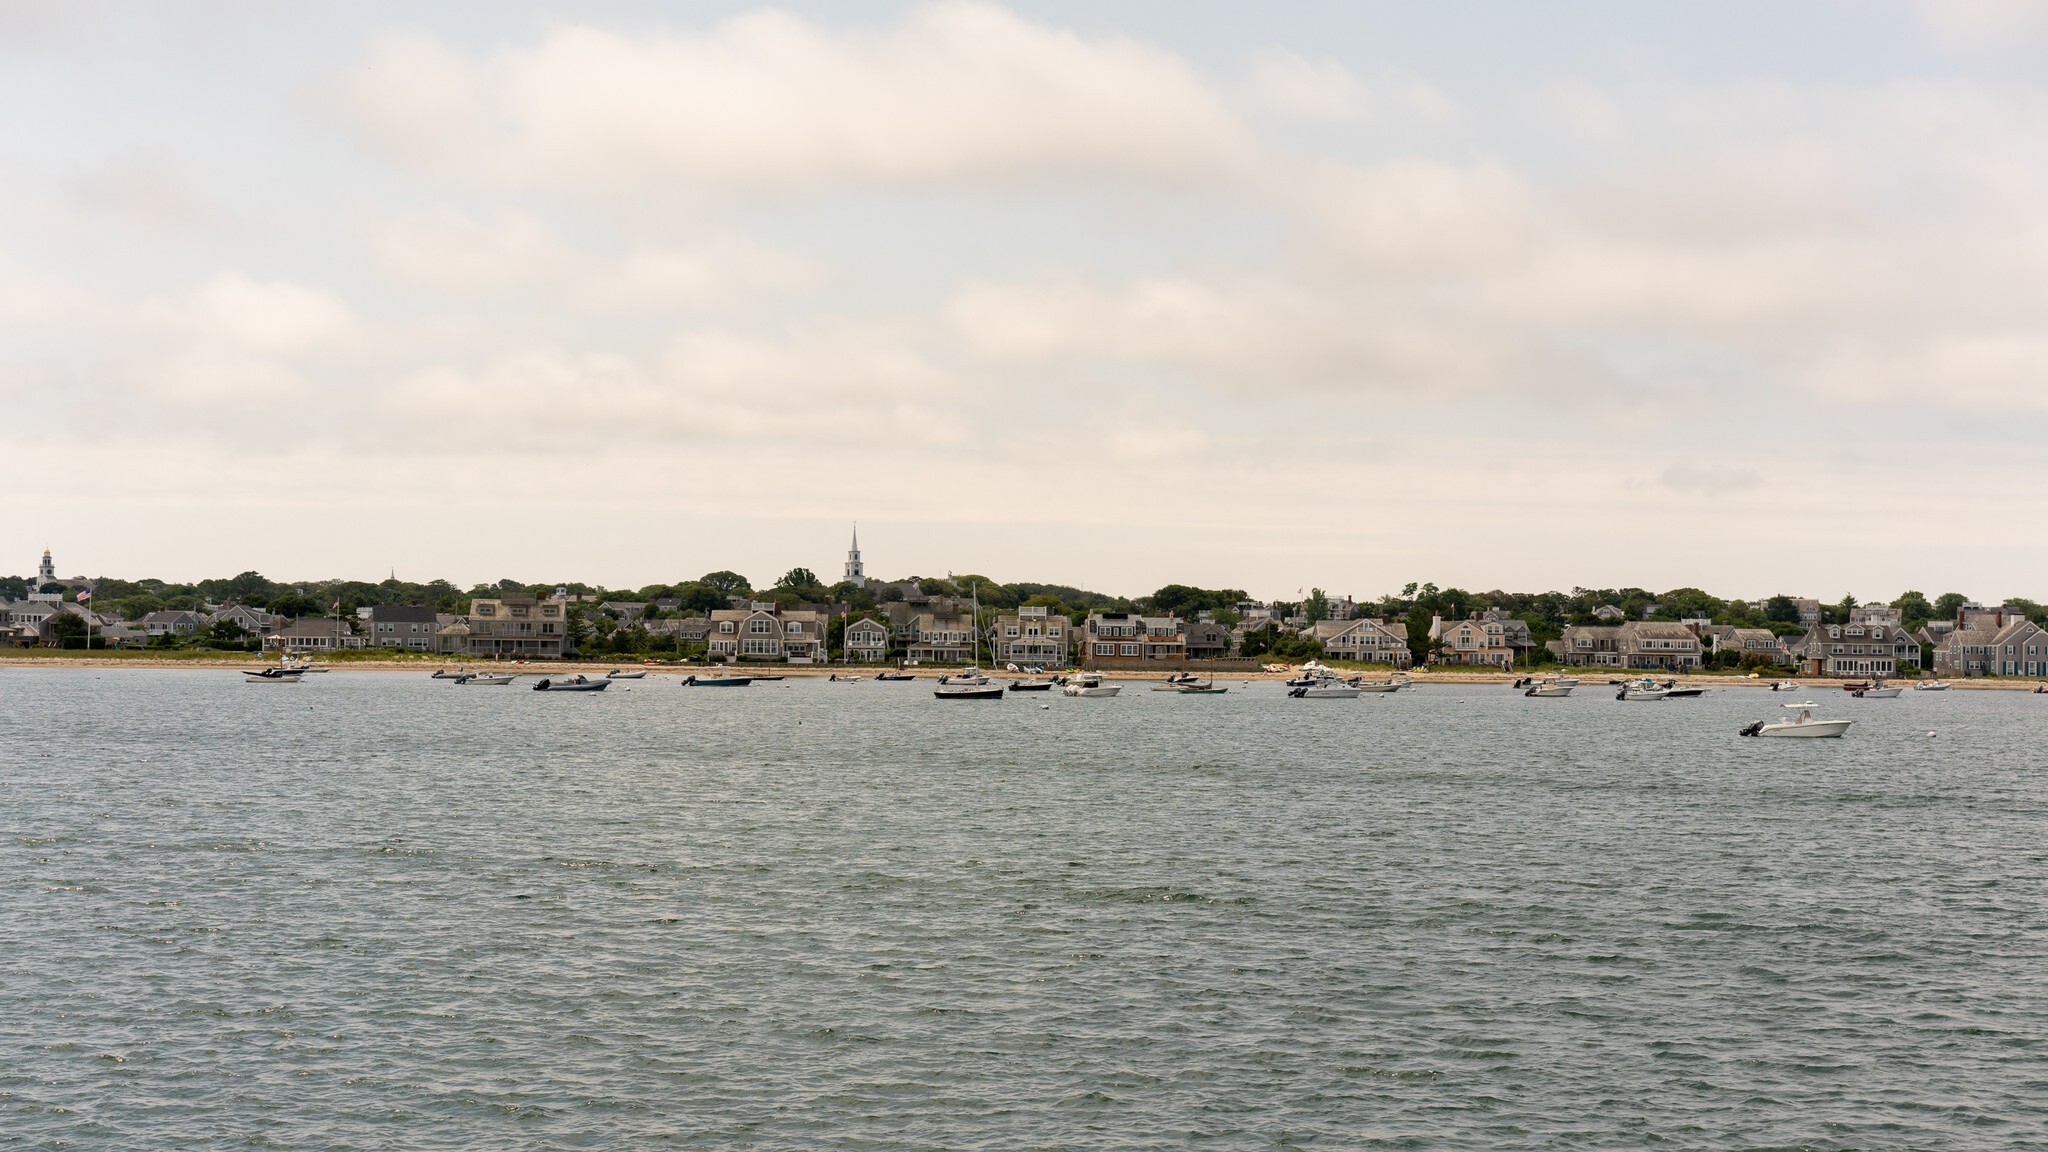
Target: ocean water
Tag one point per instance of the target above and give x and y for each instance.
(373, 911)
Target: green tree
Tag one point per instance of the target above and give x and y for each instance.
(1914, 609)
(226, 632)
(1418, 634)
(1948, 604)
(69, 629)
(1316, 607)
(727, 583)
(1781, 610)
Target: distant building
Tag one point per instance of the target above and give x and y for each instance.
(856, 572)
(1128, 636)
(1484, 638)
(312, 634)
(1589, 646)
(1655, 644)
(1366, 640)
(1032, 635)
(171, 622)
(866, 640)
(944, 637)
(1854, 650)
(1992, 642)
(410, 626)
(519, 626)
(1810, 613)
(1207, 640)
(254, 621)
(763, 632)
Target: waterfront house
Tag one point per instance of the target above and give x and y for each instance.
(1477, 640)
(1031, 636)
(1207, 640)
(254, 621)
(749, 633)
(1128, 636)
(312, 634)
(1365, 639)
(1657, 644)
(411, 626)
(804, 632)
(172, 623)
(866, 640)
(944, 637)
(1992, 642)
(1589, 646)
(1852, 650)
(518, 625)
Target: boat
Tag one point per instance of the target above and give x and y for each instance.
(444, 674)
(300, 665)
(271, 675)
(637, 674)
(1089, 684)
(969, 692)
(894, 676)
(1548, 690)
(764, 677)
(1858, 685)
(1201, 688)
(1878, 691)
(1784, 686)
(725, 681)
(479, 678)
(972, 678)
(1932, 686)
(1644, 689)
(579, 684)
(1380, 685)
(1179, 685)
(836, 678)
(1327, 688)
(1802, 726)
(1684, 693)
(1035, 684)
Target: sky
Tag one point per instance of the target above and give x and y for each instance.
(1745, 296)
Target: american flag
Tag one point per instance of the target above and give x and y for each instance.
(85, 596)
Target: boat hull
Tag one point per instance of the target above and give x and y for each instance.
(718, 681)
(572, 686)
(1878, 693)
(969, 693)
(1098, 690)
(1811, 730)
(1549, 691)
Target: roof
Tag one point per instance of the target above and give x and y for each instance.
(403, 614)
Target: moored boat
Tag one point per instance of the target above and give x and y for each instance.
(1643, 689)
(479, 678)
(968, 692)
(1548, 691)
(1327, 688)
(445, 674)
(1802, 726)
(636, 674)
(727, 681)
(1932, 686)
(271, 675)
(1035, 684)
(579, 683)
(894, 676)
(1089, 684)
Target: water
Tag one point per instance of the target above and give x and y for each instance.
(372, 911)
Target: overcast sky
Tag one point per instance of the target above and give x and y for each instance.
(1743, 295)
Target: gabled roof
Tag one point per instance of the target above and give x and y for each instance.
(402, 614)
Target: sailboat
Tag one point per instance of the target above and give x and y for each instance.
(972, 685)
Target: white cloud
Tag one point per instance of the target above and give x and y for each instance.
(146, 191)
(958, 91)
(448, 250)
(1981, 23)
(1290, 85)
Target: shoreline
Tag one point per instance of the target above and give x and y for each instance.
(228, 661)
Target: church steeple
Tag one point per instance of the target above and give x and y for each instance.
(854, 570)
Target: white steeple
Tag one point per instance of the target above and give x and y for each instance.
(854, 571)
(46, 574)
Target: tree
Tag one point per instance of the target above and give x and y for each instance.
(70, 629)
(1781, 610)
(797, 578)
(578, 628)
(1316, 607)
(1914, 610)
(726, 583)
(226, 632)
(1948, 604)
(1418, 634)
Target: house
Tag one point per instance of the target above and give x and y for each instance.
(1610, 613)
(518, 625)
(804, 634)
(412, 626)
(175, 623)
(1992, 642)
(1589, 646)
(1339, 608)
(312, 634)
(1657, 644)
(1032, 636)
(1128, 636)
(945, 637)
(762, 631)
(1810, 613)
(1365, 639)
(29, 620)
(626, 611)
(253, 621)
(1207, 640)
(1477, 640)
(866, 640)
(1852, 650)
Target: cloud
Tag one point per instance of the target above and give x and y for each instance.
(144, 191)
(767, 101)
(1289, 85)
(1985, 23)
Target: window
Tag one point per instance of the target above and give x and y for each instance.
(1129, 649)
(725, 626)
(485, 609)
(758, 625)
(792, 626)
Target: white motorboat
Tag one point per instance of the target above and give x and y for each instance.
(445, 674)
(1784, 686)
(972, 678)
(1546, 689)
(1644, 689)
(1878, 691)
(635, 674)
(480, 678)
(1931, 686)
(1802, 726)
(578, 683)
(1327, 688)
(271, 675)
(1379, 685)
(1089, 684)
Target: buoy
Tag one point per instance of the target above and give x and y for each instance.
(1930, 735)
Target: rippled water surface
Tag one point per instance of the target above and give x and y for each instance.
(372, 911)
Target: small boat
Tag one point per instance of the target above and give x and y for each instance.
(1327, 688)
(695, 681)
(1878, 691)
(637, 674)
(1932, 686)
(1802, 726)
(973, 678)
(894, 676)
(969, 692)
(836, 678)
(765, 677)
(1784, 686)
(445, 674)
(578, 684)
(1181, 685)
(1644, 689)
(1684, 693)
(1858, 685)
(1548, 690)
(481, 678)
(271, 675)
(1034, 684)
(1090, 684)
(1201, 688)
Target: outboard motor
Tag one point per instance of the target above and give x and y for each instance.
(1753, 729)
(542, 686)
